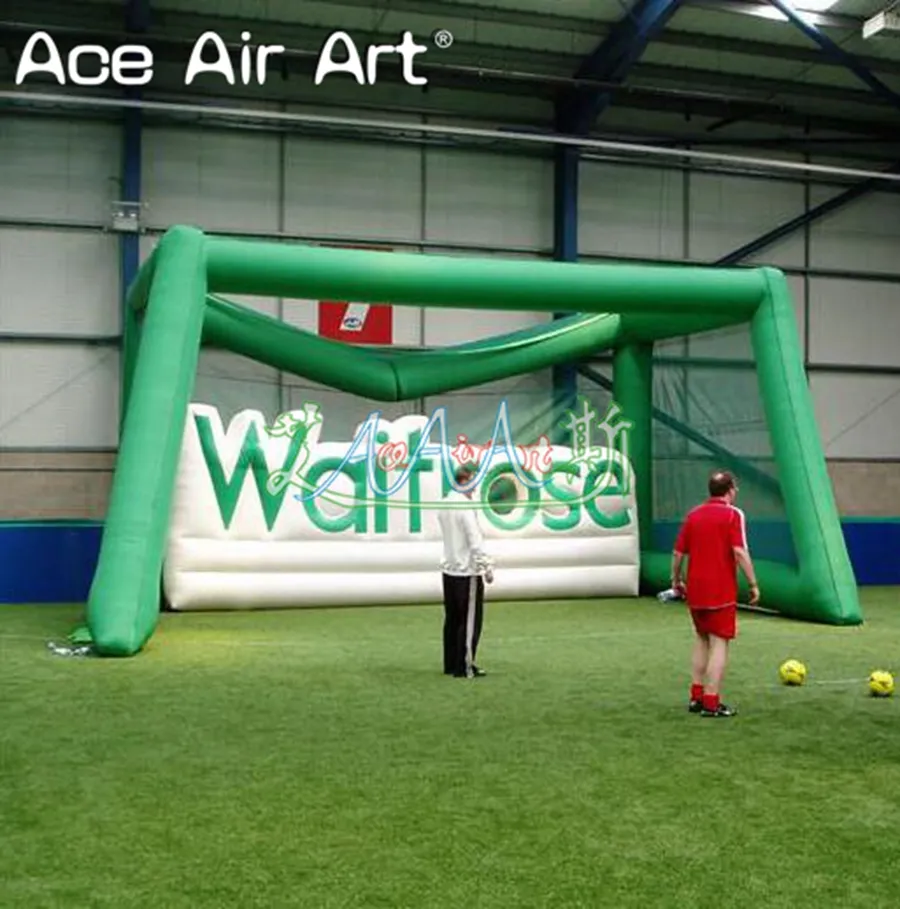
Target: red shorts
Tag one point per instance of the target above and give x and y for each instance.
(721, 622)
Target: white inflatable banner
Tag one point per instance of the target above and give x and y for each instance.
(267, 515)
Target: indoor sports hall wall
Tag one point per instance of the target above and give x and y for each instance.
(60, 276)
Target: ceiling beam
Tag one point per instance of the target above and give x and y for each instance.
(752, 8)
(611, 61)
(808, 217)
(137, 15)
(767, 49)
(836, 53)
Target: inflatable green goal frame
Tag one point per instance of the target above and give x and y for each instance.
(173, 308)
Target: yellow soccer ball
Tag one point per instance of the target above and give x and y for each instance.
(881, 684)
(792, 672)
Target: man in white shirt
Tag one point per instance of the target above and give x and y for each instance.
(465, 568)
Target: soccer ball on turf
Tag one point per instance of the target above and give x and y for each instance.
(881, 684)
(792, 672)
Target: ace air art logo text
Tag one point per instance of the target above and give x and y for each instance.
(246, 63)
(354, 486)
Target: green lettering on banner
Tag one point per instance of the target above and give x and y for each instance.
(617, 519)
(422, 465)
(251, 457)
(356, 513)
(381, 482)
(564, 496)
(526, 511)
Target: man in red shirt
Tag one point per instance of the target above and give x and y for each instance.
(714, 539)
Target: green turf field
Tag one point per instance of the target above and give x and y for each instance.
(320, 759)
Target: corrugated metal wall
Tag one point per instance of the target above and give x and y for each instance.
(60, 282)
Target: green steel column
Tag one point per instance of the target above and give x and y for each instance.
(633, 392)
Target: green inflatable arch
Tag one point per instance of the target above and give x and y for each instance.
(173, 308)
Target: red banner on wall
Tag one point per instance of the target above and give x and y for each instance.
(357, 323)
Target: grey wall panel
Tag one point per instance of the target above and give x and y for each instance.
(490, 200)
(211, 179)
(55, 484)
(854, 323)
(57, 170)
(726, 212)
(630, 211)
(64, 282)
(302, 314)
(233, 383)
(353, 190)
(58, 396)
(858, 416)
(868, 489)
(862, 236)
(146, 245)
(268, 306)
(444, 327)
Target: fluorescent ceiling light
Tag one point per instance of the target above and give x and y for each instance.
(767, 11)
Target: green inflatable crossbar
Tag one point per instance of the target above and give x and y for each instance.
(174, 307)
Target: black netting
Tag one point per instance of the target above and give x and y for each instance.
(708, 415)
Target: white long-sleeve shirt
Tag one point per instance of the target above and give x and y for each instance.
(464, 552)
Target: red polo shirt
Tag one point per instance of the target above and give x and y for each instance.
(708, 537)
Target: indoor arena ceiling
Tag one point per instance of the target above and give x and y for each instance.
(716, 72)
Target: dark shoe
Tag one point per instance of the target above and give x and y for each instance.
(695, 706)
(478, 673)
(723, 710)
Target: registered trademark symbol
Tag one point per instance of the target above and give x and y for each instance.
(442, 38)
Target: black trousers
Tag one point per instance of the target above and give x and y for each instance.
(463, 617)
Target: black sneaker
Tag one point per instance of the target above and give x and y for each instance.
(695, 706)
(477, 672)
(723, 710)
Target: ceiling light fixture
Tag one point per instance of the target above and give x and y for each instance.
(766, 11)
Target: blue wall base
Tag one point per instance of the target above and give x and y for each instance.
(54, 561)
(48, 561)
(874, 546)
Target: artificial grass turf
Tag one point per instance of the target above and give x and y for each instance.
(318, 758)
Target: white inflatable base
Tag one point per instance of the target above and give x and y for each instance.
(258, 575)
(222, 553)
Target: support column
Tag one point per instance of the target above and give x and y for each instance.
(633, 392)
(130, 255)
(137, 16)
(565, 249)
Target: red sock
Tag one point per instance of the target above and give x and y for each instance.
(710, 702)
(696, 692)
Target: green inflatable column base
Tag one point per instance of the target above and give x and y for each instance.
(782, 589)
(81, 635)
